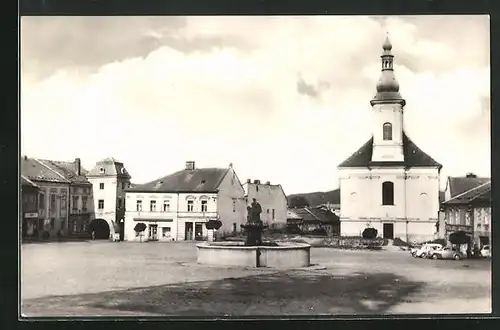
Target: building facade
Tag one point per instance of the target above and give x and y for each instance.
(176, 207)
(470, 212)
(109, 179)
(271, 198)
(29, 207)
(389, 183)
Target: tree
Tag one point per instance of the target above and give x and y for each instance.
(213, 224)
(298, 201)
(370, 233)
(458, 238)
(139, 229)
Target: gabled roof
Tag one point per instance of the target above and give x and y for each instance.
(37, 171)
(67, 170)
(459, 185)
(413, 156)
(198, 180)
(312, 215)
(111, 167)
(481, 193)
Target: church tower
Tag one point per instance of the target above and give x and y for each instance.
(387, 113)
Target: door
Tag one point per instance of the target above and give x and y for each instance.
(188, 231)
(198, 231)
(153, 232)
(389, 230)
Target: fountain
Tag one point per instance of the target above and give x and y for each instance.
(254, 252)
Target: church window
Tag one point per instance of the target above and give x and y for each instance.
(387, 131)
(387, 193)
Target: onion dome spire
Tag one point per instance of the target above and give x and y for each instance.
(387, 86)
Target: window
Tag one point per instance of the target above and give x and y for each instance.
(234, 227)
(152, 206)
(52, 223)
(387, 193)
(190, 206)
(101, 204)
(84, 203)
(119, 202)
(257, 188)
(101, 185)
(273, 214)
(52, 203)
(204, 206)
(166, 232)
(166, 206)
(129, 184)
(123, 185)
(42, 201)
(101, 170)
(74, 206)
(387, 131)
(138, 206)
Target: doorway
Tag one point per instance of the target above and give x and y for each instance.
(389, 230)
(153, 233)
(198, 231)
(188, 231)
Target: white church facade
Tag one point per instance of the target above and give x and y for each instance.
(389, 183)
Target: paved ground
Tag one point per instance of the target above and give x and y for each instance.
(103, 278)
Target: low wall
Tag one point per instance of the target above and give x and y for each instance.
(292, 255)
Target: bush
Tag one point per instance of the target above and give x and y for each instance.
(399, 242)
(318, 231)
(441, 241)
(45, 235)
(370, 233)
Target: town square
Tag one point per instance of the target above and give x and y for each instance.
(190, 167)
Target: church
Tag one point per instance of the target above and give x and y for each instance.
(389, 183)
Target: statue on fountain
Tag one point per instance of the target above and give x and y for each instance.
(254, 225)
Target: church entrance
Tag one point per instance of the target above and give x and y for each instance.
(389, 230)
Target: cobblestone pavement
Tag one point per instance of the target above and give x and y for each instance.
(116, 279)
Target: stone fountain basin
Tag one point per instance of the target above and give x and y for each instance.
(284, 255)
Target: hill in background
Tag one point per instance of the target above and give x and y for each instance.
(318, 198)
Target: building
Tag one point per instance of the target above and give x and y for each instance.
(177, 206)
(313, 219)
(271, 198)
(57, 182)
(458, 185)
(470, 212)
(389, 183)
(29, 207)
(80, 199)
(109, 179)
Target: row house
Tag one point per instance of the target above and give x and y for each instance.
(176, 207)
(29, 206)
(470, 212)
(57, 183)
(271, 198)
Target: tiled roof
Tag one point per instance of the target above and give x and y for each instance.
(37, 171)
(413, 156)
(313, 215)
(67, 170)
(292, 215)
(198, 180)
(111, 167)
(479, 193)
(25, 182)
(459, 185)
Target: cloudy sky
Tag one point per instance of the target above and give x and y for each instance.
(284, 99)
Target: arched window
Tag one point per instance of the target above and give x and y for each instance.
(387, 193)
(387, 131)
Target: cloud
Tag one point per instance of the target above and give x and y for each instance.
(284, 99)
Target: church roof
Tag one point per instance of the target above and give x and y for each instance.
(413, 156)
(198, 180)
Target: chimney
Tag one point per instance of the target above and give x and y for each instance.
(25, 157)
(256, 181)
(249, 180)
(78, 166)
(268, 183)
(470, 175)
(190, 165)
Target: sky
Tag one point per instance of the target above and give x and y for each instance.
(284, 99)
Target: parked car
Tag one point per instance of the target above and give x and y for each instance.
(485, 251)
(426, 250)
(447, 253)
